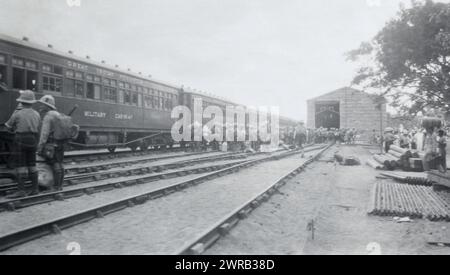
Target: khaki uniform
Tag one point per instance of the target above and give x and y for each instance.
(25, 123)
(46, 138)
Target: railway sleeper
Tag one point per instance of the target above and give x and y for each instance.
(99, 214)
(209, 240)
(156, 196)
(130, 182)
(227, 226)
(243, 214)
(142, 199)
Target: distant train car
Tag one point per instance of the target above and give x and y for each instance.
(115, 107)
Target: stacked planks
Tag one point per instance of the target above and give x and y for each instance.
(394, 199)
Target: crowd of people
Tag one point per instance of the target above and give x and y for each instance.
(431, 141)
(293, 135)
(35, 133)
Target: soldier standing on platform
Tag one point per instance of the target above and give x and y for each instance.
(47, 141)
(25, 122)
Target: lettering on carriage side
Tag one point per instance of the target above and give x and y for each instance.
(124, 116)
(94, 114)
(76, 65)
(104, 72)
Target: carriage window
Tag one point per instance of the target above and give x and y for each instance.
(121, 96)
(79, 89)
(3, 76)
(57, 70)
(168, 105)
(110, 94)
(78, 75)
(148, 101)
(51, 83)
(2, 58)
(30, 64)
(18, 62)
(135, 99)
(139, 100)
(69, 87)
(127, 97)
(70, 74)
(93, 91)
(18, 78)
(107, 81)
(47, 68)
(32, 80)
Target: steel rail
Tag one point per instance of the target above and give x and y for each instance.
(121, 163)
(96, 176)
(95, 156)
(221, 228)
(14, 204)
(56, 225)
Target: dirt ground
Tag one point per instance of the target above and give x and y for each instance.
(337, 199)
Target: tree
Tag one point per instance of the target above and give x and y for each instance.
(410, 58)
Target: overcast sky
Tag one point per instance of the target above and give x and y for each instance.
(254, 52)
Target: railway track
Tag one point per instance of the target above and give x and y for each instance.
(97, 176)
(96, 156)
(14, 204)
(56, 225)
(105, 165)
(207, 238)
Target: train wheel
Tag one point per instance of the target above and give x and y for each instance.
(111, 149)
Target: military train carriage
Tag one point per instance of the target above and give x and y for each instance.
(115, 107)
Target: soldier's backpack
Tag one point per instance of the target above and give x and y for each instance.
(64, 128)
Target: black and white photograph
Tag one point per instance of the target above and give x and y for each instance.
(218, 128)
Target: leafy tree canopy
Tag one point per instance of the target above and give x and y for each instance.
(410, 57)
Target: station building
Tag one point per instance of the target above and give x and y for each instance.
(348, 108)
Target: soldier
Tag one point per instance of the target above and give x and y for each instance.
(47, 141)
(442, 157)
(389, 138)
(300, 135)
(25, 122)
(431, 149)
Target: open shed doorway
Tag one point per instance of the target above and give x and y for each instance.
(328, 115)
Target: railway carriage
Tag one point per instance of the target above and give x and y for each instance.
(114, 107)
